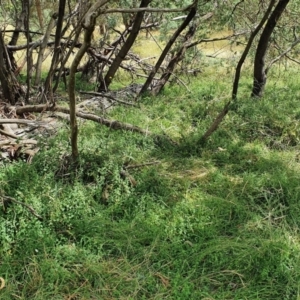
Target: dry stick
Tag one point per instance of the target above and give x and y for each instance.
(147, 9)
(7, 199)
(8, 134)
(88, 24)
(77, 32)
(142, 165)
(107, 96)
(214, 126)
(289, 49)
(21, 142)
(293, 59)
(25, 122)
(109, 123)
(217, 39)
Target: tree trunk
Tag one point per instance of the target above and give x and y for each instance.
(260, 77)
(89, 26)
(174, 61)
(170, 43)
(10, 86)
(29, 59)
(42, 49)
(19, 25)
(124, 50)
(57, 49)
(214, 126)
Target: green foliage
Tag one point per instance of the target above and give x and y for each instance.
(218, 221)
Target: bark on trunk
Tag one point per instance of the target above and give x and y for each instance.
(57, 50)
(170, 43)
(214, 126)
(174, 61)
(89, 26)
(260, 77)
(10, 86)
(43, 48)
(124, 50)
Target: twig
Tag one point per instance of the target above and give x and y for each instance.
(109, 123)
(114, 124)
(7, 199)
(142, 165)
(293, 59)
(21, 121)
(108, 96)
(8, 134)
(125, 174)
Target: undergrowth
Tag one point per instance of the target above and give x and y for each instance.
(144, 218)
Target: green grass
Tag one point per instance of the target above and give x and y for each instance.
(219, 221)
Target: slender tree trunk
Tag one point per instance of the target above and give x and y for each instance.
(260, 77)
(89, 26)
(57, 49)
(10, 86)
(77, 28)
(66, 58)
(170, 43)
(4, 76)
(125, 48)
(20, 17)
(29, 59)
(43, 48)
(174, 61)
(214, 126)
(19, 25)
(38, 8)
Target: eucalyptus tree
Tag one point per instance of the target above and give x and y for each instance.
(136, 24)
(260, 77)
(267, 24)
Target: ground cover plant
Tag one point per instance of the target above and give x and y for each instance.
(185, 221)
(184, 186)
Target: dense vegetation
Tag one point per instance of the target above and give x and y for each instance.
(196, 195)
(214, 221)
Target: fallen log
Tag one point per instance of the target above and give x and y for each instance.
(114, 124)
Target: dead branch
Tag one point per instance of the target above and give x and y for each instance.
(19, 121)
(3, 132)
(6, 200)
(125, 174)
(142, 165)
(107, 96)
(109, 123)
(147, 9)
(217, 39)
(293, 59)
(284, 53)
(21, 142)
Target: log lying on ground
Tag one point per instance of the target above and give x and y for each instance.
(109, 123)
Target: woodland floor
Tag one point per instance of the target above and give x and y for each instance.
(149, 217)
